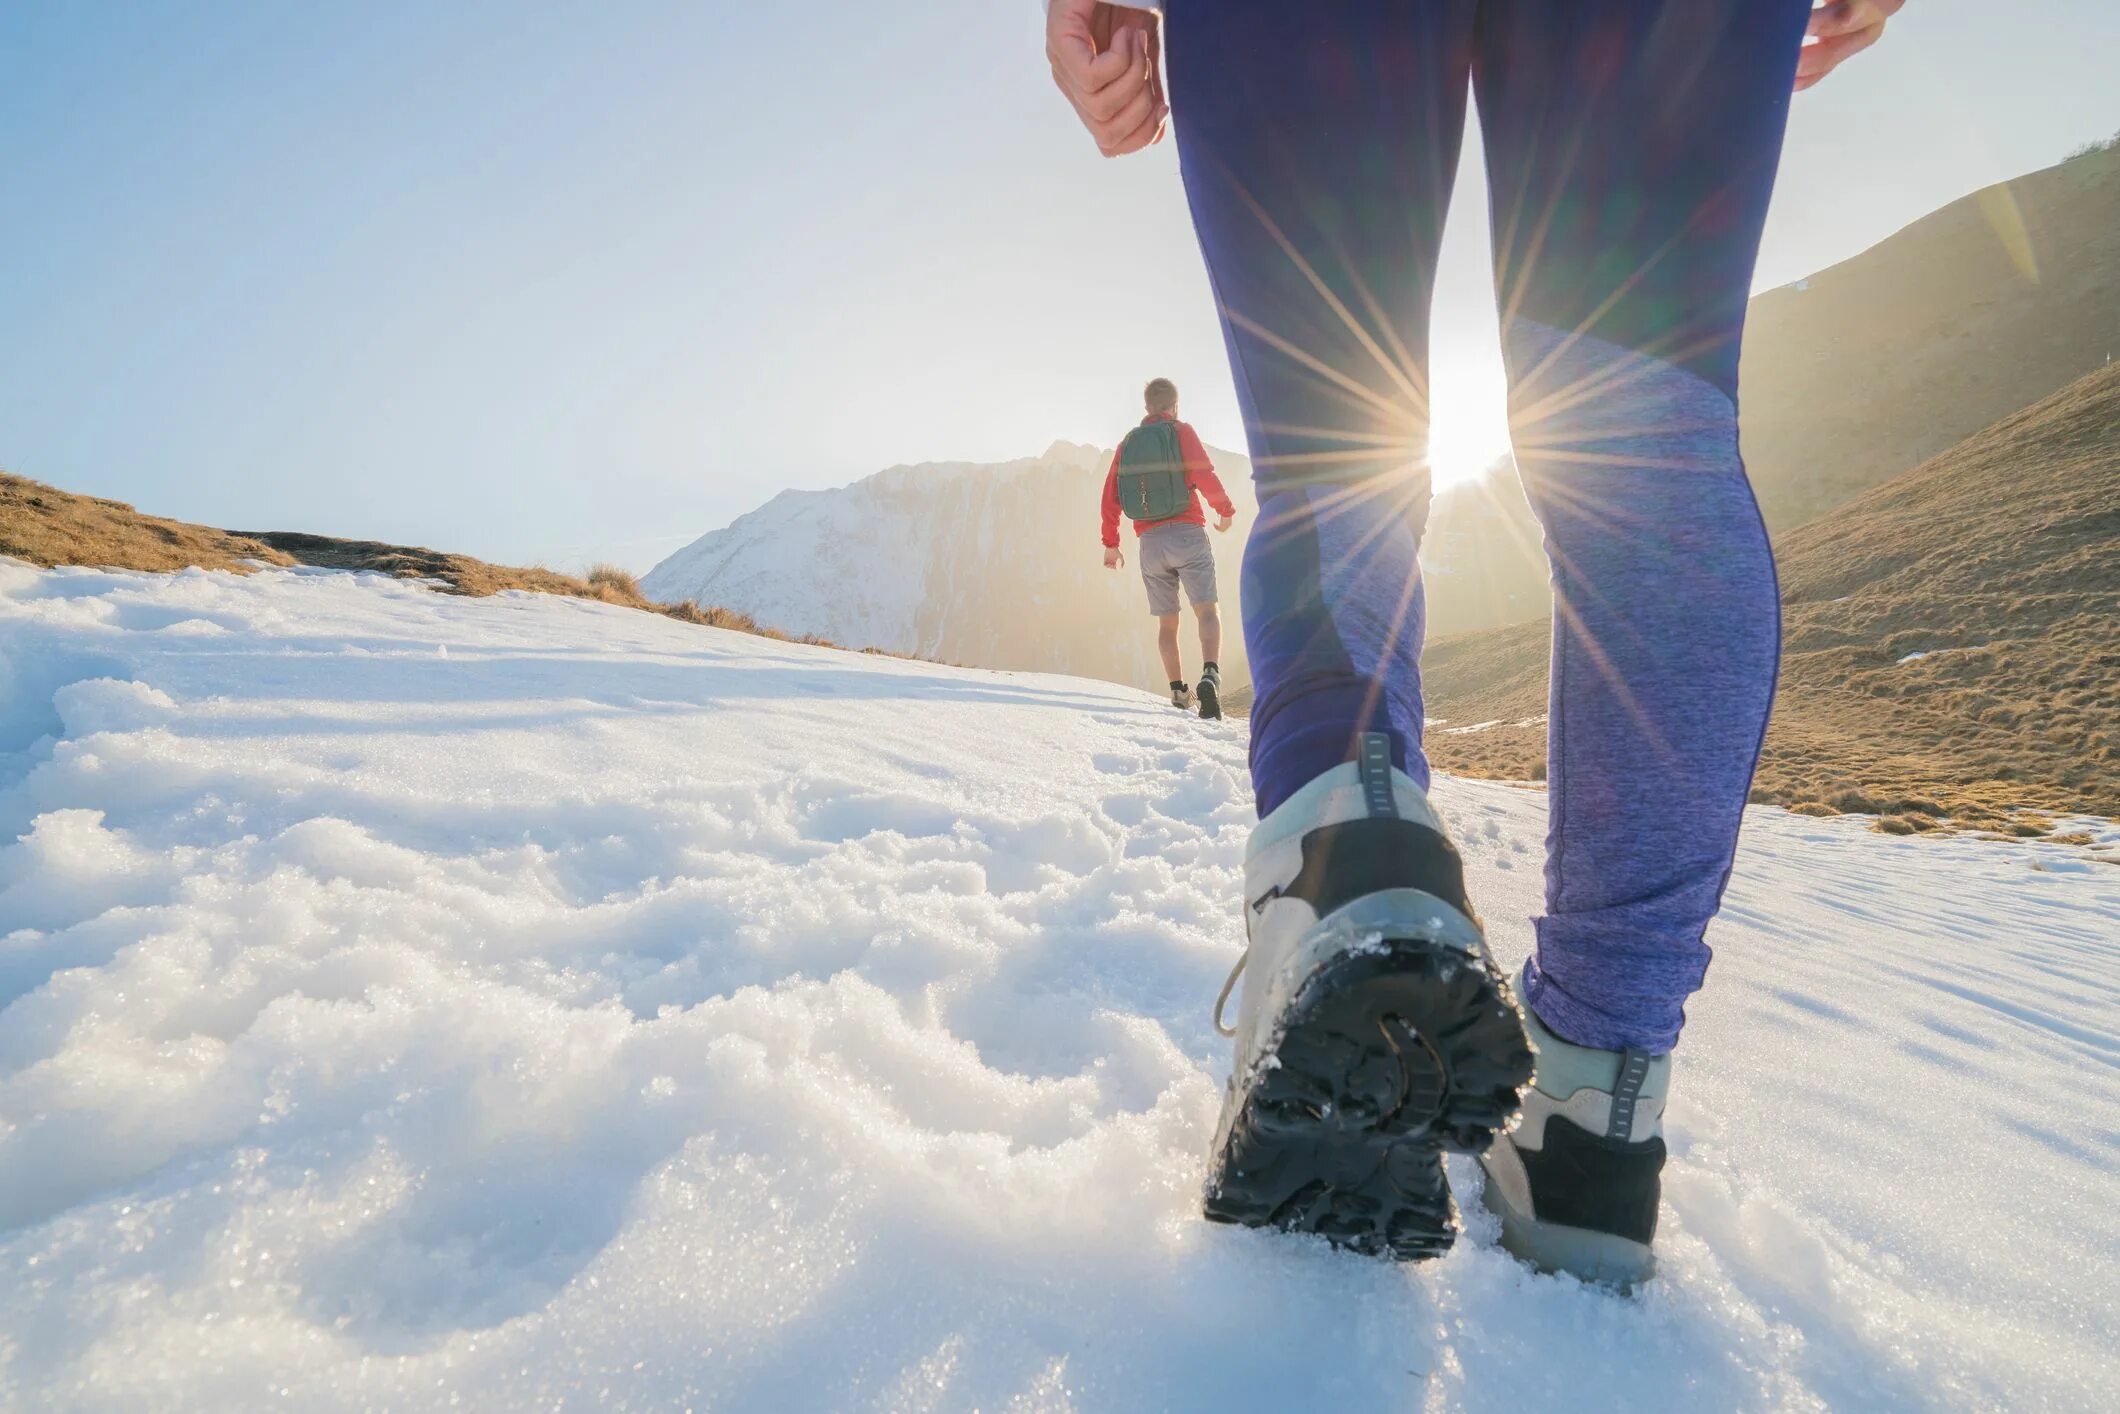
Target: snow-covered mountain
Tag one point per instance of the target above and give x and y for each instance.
(995, 565)
(410, 1001)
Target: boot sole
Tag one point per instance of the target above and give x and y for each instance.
(1210, 702)
(1392, 1054)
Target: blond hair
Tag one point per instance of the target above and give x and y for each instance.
(1161, 395)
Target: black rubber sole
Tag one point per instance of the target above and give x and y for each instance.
(1210, 700)
(1392, 1054)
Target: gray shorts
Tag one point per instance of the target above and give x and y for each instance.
(1172, 555)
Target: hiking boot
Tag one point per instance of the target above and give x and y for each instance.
(1180, 695)
(1577, 1180)
(1374, 1030)
(1210, 691)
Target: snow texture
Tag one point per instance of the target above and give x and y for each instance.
(414, 1001)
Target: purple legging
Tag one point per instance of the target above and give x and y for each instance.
(1631, 150)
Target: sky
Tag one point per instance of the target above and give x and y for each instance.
(570, 282)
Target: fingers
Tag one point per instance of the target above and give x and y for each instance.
(1133, 126)
(1106, 103)
(1152, 53)
(1815, 61)
(1083, 61)
(1100, 78)
(1836, 18)
(1847, 16)
(1112, 84)
(1840, 30)
(1147, 135)
(1128, 115)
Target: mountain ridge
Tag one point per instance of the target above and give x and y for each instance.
(1879, 362)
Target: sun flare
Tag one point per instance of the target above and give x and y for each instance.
(1468, 420)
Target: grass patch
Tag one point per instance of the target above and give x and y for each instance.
(49, 527)
(617, 584)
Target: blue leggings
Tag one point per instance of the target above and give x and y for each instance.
(1631, 149)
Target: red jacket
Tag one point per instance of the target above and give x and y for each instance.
(1199, 475)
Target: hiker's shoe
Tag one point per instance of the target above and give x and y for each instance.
(1210, 691)
(1577, 1180)
(1374, 1030)
(1180, 695)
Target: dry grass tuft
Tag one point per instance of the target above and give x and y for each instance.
(616, 584)
(714, 616)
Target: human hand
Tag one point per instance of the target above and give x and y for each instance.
(1225, 523)
(1841, 28)
(1112, 558)
(1108, 60)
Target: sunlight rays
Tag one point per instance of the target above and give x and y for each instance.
(1370, 475)
(1403, 369)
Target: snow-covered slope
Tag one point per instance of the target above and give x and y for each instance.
(526, 1003)
(995, 565)
(848, 564)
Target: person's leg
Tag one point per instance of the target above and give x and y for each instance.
(1632, 149)
(1318, 143)
(1197, 575)
(1210, 632)
(1160, 577)
(1167, 645)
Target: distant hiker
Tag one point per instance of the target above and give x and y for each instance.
(1157, 478)
(1631, 148)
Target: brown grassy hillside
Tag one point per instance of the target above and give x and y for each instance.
(1952, 638)
(1874, 365)
(47, 526)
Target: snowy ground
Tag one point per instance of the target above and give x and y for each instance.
(521, 1002)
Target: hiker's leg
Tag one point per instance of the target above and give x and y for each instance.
(1167, 645)
(1210, 632)
(1632, 148)
(1318, 143)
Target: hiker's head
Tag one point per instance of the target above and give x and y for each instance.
(1160, 396)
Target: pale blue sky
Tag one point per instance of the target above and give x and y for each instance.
(562, 282)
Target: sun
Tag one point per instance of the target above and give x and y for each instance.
(1468, 416)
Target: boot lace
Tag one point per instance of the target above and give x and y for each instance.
(1230, 985)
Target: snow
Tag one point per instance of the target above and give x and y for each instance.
(1538, 720)
(521, 1002)
(815, 562)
